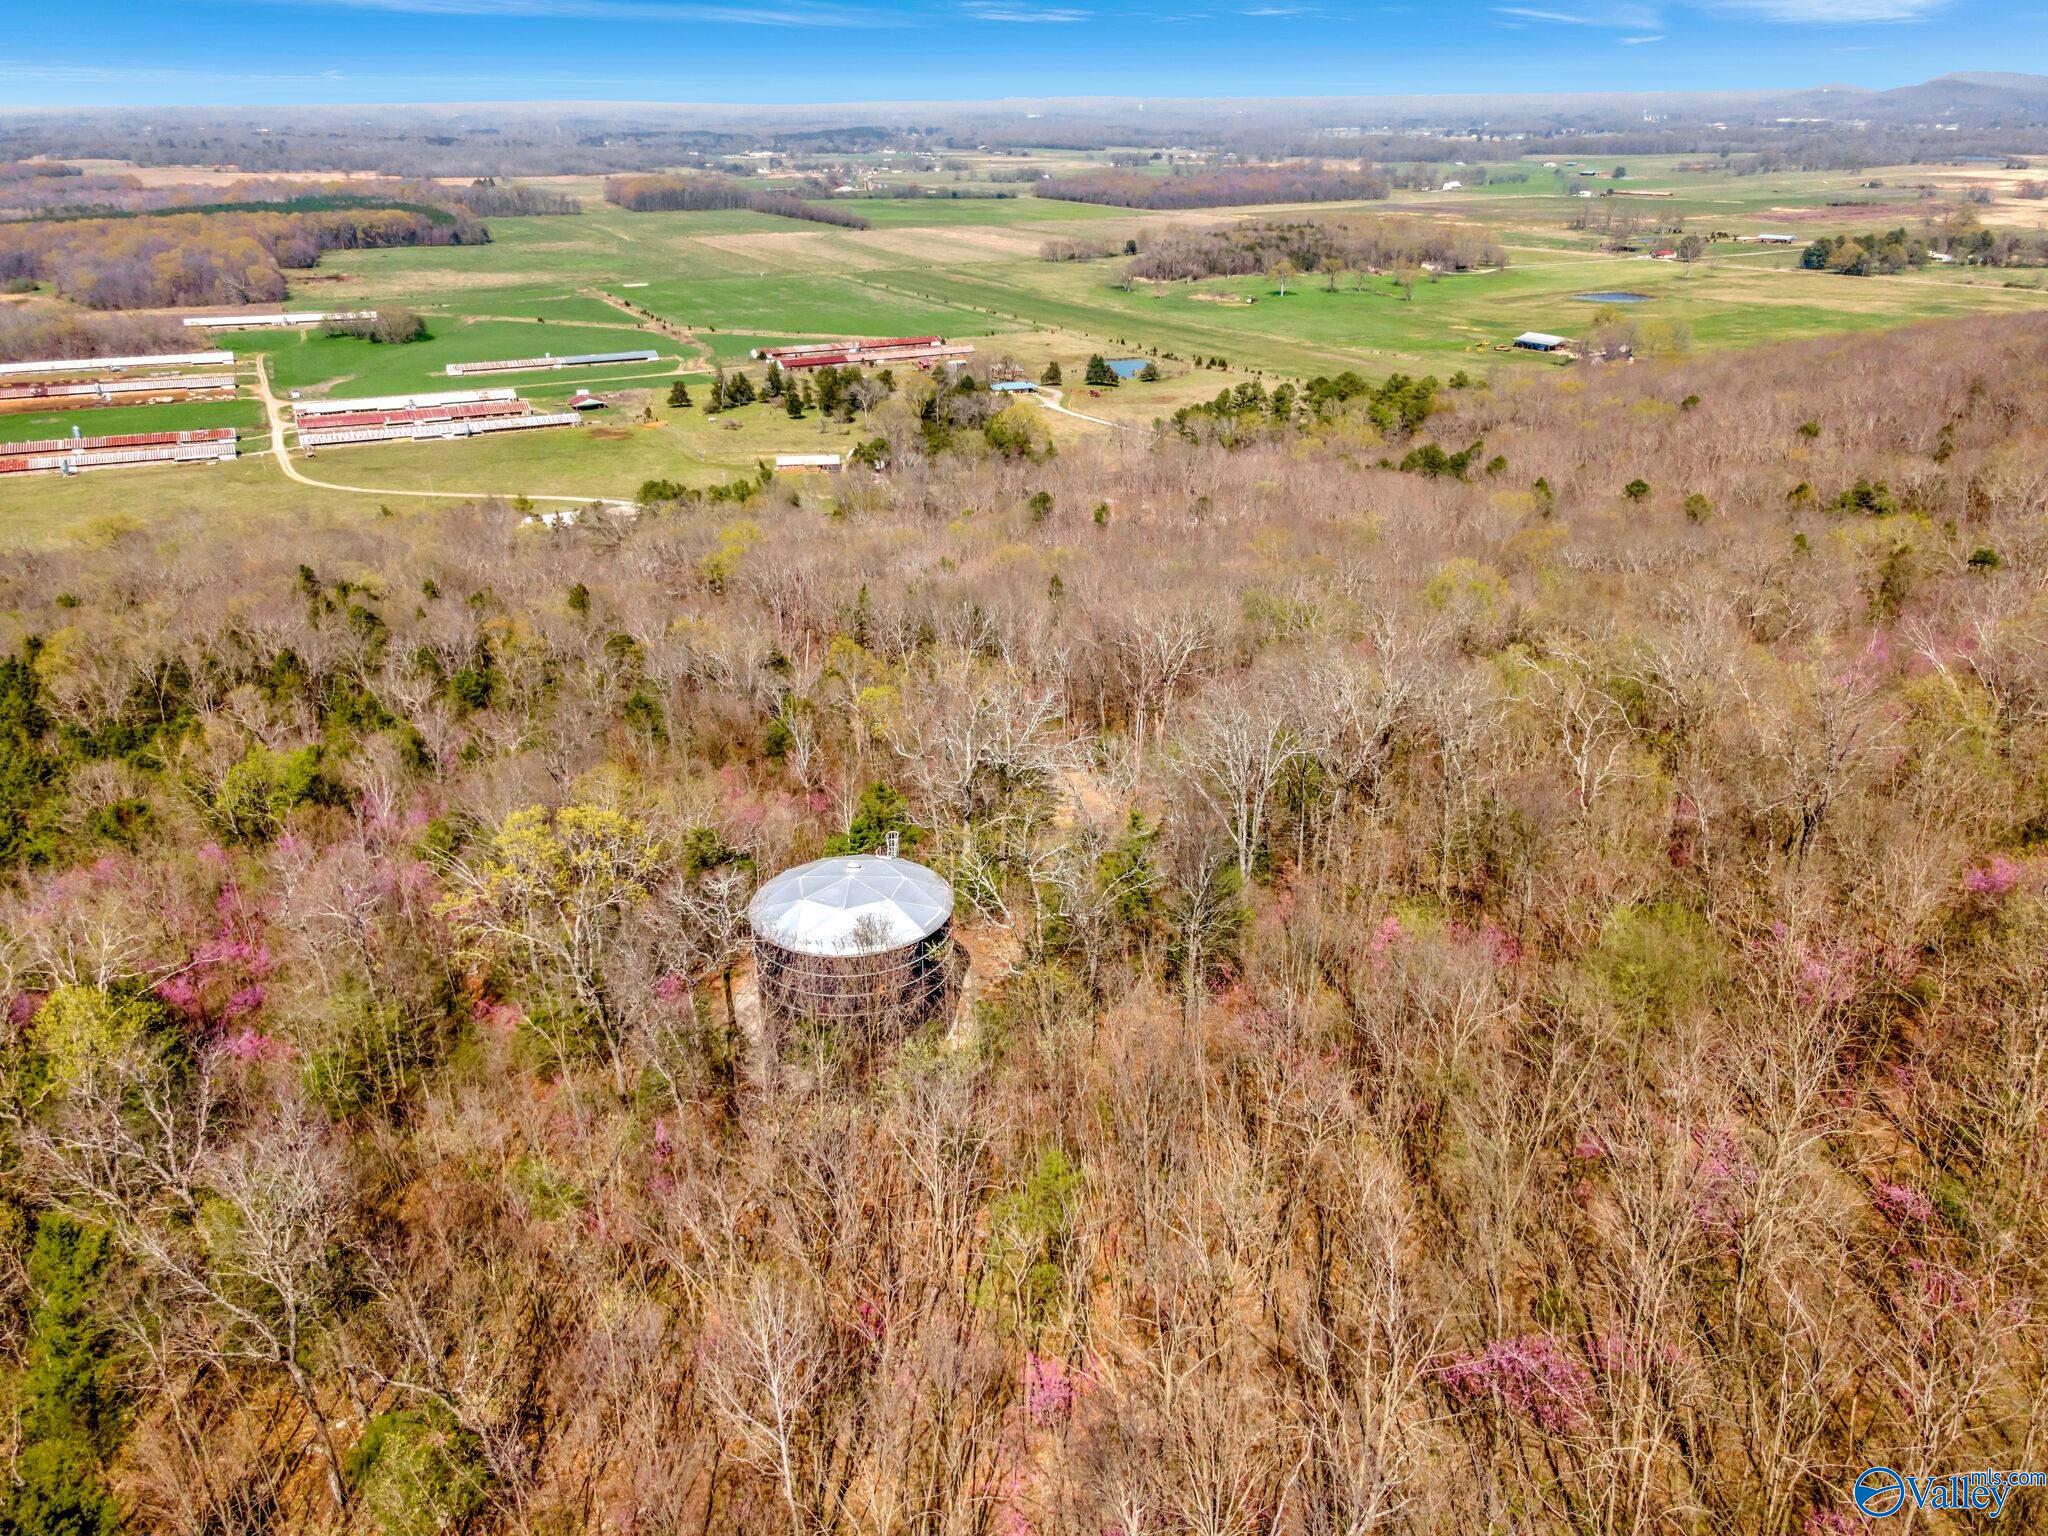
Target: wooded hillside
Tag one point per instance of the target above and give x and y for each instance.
(1510, 1000)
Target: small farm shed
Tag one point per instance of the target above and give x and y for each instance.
(1540, 341)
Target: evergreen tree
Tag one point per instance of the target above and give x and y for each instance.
(793, 404)
(679, 395)
(1051, 374)
(881, 811)
(1100, 374)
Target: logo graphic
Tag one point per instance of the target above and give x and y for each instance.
(1879, 1492)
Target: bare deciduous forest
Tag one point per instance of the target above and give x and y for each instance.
(1236, 187)
(1508, 1000)
(673, 194)
(229, 257)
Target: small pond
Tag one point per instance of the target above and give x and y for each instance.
(1612, 298)
(1127, 367)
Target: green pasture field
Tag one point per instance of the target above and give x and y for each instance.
(245, 416)
(612, 455)
(1372, 324)
(903, 212)
(805, 306)
(557, 306)
(106, 505)
(345, 366)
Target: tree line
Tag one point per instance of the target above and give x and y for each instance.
(1332, 246)
(40, 329)
(1227, 188)
(29, 195)
(689, 194)
(162, 260)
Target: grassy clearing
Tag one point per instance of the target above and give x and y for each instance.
(103, 506)
(612, 454)
(352, 367)
(244, 416)
(801, 306)
(1459, 319)
(904, 212)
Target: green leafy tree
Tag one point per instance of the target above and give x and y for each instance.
(262, 789)
(69, 1400)
(880, 811)
(1018, 432)
(416, 1473)
(31, 773)
(545, 899)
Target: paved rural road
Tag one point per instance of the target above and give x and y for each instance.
(273, 410)
(1050, 398)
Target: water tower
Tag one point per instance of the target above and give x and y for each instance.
(862, 943)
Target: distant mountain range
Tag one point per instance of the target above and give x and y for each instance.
(1977, 100)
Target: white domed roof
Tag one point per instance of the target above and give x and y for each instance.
(865, 904)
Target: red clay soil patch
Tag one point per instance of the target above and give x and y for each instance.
(611, 434)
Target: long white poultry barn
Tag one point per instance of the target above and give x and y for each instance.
(85, 365)
(328, 407)
(428, 432)
(274, 322)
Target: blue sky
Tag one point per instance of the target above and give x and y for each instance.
(205, 52)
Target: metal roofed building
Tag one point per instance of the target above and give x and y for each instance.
(1540, 341)
(549, 360)
(86, 365)
(328, 405)
(864, 942)
(295, 319)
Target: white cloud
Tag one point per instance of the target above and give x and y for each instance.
(1027, 15)
(1637, 42)
(782, 13)
(1639, 19)
(1837, 13)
